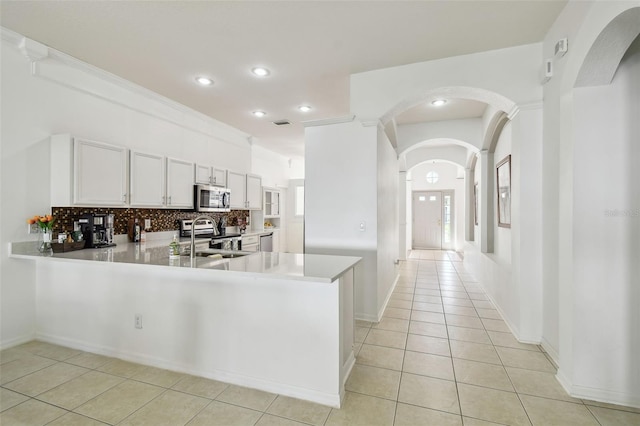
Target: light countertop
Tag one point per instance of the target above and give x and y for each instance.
(302, 267)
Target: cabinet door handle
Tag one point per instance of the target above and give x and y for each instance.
(124, 198)
(169, 199)
(163, 199)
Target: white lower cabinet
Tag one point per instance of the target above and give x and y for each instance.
(100, 173)
(251, 243)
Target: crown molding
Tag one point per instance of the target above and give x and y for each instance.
(525, 106)
(33, 50)
(11, 37)
(328, 121)
(44, 66)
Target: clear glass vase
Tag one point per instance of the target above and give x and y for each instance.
(44, 241)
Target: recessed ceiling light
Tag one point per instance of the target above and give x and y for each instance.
(438, 102)
(259, 113)
(261, 71)
(205, 81)
(304, 108)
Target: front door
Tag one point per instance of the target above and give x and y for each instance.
(427, 220)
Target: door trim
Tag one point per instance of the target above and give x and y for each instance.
(443, 245)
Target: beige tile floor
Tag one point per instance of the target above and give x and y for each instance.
(441, 355)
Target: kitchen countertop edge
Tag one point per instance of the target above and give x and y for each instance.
(329, 267)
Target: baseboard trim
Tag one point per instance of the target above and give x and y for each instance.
(550, 351)
(6, 344)
(386, 300)
(378, 317)
(332, 400)
(595, 394)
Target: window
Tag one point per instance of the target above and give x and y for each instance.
(299, 202)
(433, 177)
(446, 213)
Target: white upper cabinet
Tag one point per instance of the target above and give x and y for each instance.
(237, 184)
(271, 203)
(147, 180)
(219, 176)
(208, 175)
(179, 183)
(203, 174)
(254, 192)
(100, 174)
(246, 190)
(156, 182)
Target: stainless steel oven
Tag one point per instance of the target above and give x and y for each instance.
(211, 198)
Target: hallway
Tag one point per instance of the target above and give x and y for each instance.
(440, 356)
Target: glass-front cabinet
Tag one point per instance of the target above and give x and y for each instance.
(271, 203)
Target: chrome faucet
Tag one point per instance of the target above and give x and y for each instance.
(192, 253)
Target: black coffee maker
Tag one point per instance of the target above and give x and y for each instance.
(97, 230)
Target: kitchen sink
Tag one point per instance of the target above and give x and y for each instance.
(224, 255)
(232, 255)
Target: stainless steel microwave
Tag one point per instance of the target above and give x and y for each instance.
(211, 198)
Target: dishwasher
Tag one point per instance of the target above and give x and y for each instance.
(266, 242)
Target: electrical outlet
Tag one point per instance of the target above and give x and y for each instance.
(147, 224)
(138, 321)
(32, 229)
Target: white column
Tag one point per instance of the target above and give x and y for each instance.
(469, 220)
(486, 201)
(402, 215)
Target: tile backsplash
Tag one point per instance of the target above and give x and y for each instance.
(161, 219)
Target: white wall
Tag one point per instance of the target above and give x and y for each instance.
(341, 193)
(494, 270)
(554, 178)
(274, 168)
(448, 180)
(570, 303)
(350, 175)
(295, 224)
(66, 96)
(388, 219)
(606, 233)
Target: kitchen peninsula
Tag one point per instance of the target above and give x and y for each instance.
(278, 322)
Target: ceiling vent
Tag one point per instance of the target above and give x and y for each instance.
(282, 122)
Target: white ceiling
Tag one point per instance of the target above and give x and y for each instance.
(311, 48)
(452, 110)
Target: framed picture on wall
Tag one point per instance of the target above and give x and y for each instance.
(475, 203)
(503, 179)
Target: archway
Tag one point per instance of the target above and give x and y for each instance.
(497, 101)
(445, 178)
